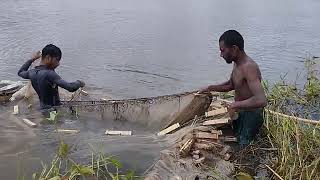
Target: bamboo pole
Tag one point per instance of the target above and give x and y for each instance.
(309, 121)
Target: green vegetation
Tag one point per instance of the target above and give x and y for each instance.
(293, 146)
(62, 167)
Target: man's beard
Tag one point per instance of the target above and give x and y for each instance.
(228, 60)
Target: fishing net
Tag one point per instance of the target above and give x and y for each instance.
(155, 112)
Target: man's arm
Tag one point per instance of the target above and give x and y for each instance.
(23, 71)
(258, 100)
(223, 87)
(71, 87)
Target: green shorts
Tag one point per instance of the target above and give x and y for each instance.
(248, 124)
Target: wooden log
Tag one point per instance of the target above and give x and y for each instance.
(169, 129)
(216, 112)
(121, 133)
(29, 123)
(206, 135)
(216, 121)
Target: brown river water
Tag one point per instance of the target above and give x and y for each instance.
(128, 49)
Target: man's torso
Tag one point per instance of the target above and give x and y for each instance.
(46, 90)
(242, 90)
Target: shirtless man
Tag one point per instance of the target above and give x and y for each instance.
(246, 81)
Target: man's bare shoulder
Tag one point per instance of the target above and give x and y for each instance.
(251, 65)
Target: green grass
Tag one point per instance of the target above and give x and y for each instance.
(298, 144)
(62, 167)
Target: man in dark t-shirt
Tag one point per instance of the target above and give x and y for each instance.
(44, 79)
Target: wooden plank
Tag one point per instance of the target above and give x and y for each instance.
(216, 112)
(216, 121)
(121, 133)
(15, 110)
(210, 142)
(29, 123)
(219, 132)
(206, 135)
(202, 146)
(203, 128)
(184, 150)
(169, 129)
(68, 131)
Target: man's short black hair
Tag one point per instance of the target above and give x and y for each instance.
(52, 51)
(232, 37)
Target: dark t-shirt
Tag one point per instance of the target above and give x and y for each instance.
(45, 82)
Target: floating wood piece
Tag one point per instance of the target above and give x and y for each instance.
(229, 139)
(199, 161)
(69, 131)
(169, 129)
(206, 135)
(121, 133)
(216, 121)
(15, 110)
(29, 123)
(216, 112)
